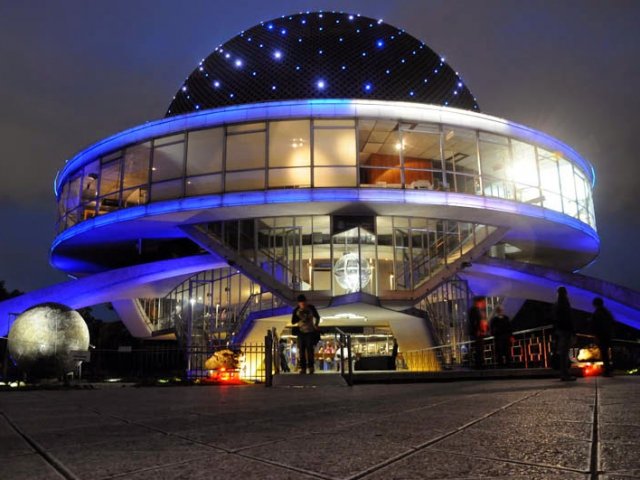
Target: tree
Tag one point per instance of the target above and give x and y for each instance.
(6, 294)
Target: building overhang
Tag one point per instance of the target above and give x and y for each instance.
(530, 227)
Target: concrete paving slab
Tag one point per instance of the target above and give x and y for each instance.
(28, 467)
(221, 466)
(498, 429)
(435, 465)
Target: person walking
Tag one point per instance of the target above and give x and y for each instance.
(306, 317)
(602, 327)
(501, 331)
(282, 347)
(564, 331)
(477, 332)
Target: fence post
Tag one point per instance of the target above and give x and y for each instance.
(268, 359)
(350, 377)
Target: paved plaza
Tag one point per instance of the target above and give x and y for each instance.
(529, 429)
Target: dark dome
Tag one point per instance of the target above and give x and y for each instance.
(321, 55)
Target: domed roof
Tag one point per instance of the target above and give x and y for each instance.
(321, 55)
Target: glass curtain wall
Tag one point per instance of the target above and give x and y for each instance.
(325, 153)
(338, 255)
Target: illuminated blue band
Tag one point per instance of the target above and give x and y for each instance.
(317, 195)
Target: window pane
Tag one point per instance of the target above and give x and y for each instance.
(171, 139)
(334, 177)
(381, 177)
(460, 151)
(494, 155)
(289, 144)
(246, 127)
(549, 180)
(524, 171)
(136, 165)
(333, 122)
(204, 185)
(246, 151)
(204, 152)
(379, 143)
(289, 177)
(251, 180)
(110, 177)
(334, 147)
(90, 183)
(568, 187)
(168, 162)
(166, 190)
(135, 196)
(73, 193)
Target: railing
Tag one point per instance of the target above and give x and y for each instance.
(344, 344)
(530, 348)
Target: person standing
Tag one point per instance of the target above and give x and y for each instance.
(306, 317)
(477, 332)
(602, 327)
(282, 347)
(501, 331)
(564, 331)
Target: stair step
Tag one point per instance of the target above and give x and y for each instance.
(315, 380)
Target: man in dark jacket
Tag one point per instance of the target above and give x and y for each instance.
(306, 318)
(564, 330)
(501, 331)
(602, 327)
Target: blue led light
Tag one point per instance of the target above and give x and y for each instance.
(184, 88)
(368, 87)
(321, 84)
(344, 67)
(297, 67)
(364, 54)
(270, 26)
(254, 73)
(277, 54)
(380, 43)
(227, 55)
(216, 84)
(350, 17)
(238, 63)
(320, 52)
(273, 87)
(387, 71)
(411, 93)
(303, 21)
(283, 31)
(460, 84)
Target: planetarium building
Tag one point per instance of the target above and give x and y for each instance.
(334, 155)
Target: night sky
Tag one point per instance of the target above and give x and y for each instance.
(73, 72)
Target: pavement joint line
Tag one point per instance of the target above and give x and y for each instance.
(433, 441)
(512, 461)
(56, 464)
(287, 467)
(346, 425)
(213, 447)
(594, 460)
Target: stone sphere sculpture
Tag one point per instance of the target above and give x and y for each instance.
(43, 338)
(352, 274)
